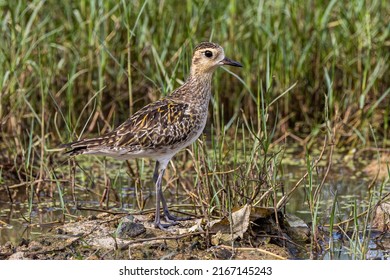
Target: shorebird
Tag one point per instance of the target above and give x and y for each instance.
(162, 128)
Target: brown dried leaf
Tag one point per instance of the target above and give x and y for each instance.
(240, 223)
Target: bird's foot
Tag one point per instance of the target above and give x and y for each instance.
(158, 224)
(171, 218)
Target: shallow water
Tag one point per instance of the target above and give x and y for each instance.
(349, 188)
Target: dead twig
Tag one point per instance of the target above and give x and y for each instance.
(253, 249)
(22, 184)
(318, 190)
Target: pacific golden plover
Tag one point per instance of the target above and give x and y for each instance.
(162, 128)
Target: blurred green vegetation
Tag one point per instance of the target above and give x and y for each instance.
(64, 64)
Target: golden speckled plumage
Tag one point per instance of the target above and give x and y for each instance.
(162, 128)
(164, 125)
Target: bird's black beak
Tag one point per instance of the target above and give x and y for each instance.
(228, 61)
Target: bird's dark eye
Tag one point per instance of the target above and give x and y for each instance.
(208, 53)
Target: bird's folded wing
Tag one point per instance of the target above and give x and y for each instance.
(164, 123)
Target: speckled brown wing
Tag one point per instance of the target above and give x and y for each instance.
(163, 124)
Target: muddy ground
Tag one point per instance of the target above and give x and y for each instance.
(253, 234)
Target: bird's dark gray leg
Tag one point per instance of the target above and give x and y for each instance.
(157, 178)
(155, 173)
(168, 216)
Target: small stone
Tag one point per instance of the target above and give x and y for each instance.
(223, 254)
(92, 218)
(128, 229)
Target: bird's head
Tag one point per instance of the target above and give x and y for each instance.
(208, 56)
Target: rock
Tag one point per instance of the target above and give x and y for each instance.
(129, 229)
(297, 229)
(381, 219)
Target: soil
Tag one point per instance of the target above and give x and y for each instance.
(108, 236)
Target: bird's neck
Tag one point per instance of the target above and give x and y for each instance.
(196, 89)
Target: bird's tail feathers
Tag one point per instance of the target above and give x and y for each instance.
(83, 146)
